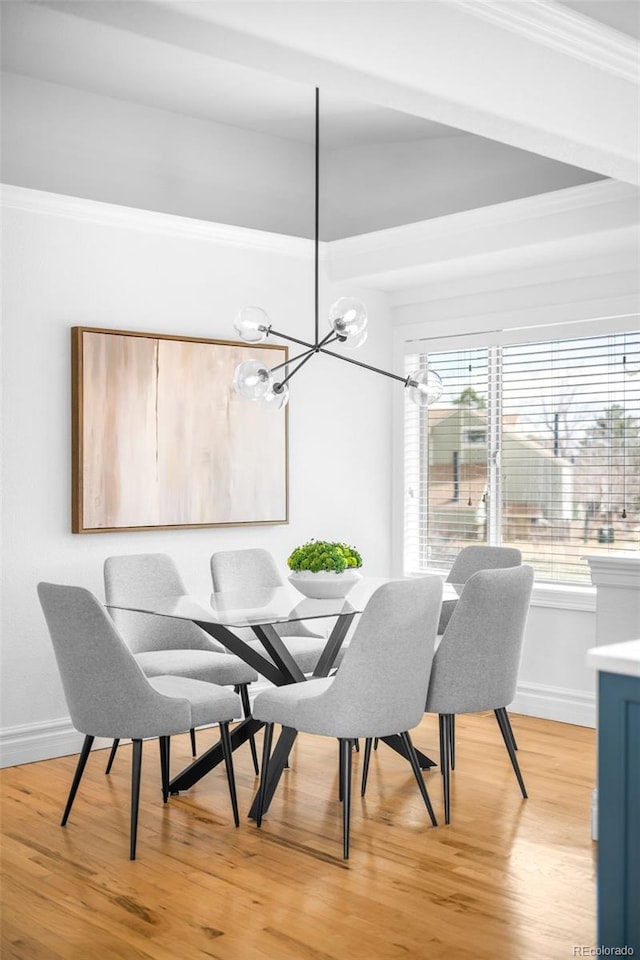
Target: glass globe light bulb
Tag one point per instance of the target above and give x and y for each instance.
(252, 324)
(424, 387)
(275, 401)
(251, 379)
(352, 343)
(348, 317)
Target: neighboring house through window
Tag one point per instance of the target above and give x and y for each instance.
(532, 445)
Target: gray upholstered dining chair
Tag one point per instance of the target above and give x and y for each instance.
(378, 691)
(166, 645)
(234, 570)
(468, 561)
(108, 695)
(476, 665)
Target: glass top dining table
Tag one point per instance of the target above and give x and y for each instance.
(229, 616)
(257, 605)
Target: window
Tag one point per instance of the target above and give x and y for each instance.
(532, 445)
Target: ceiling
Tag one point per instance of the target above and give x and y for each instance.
(111, 48)
(102, 48)
(162, 54)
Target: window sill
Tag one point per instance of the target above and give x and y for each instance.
(561, 596)
(564, 596)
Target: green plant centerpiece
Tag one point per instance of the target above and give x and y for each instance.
(324, 569)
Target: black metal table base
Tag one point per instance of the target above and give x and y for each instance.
(240, 734)
(280, 669)
(277, 763)
(395, 742)
(213, 756)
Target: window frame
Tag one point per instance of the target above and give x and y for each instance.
(418, 338)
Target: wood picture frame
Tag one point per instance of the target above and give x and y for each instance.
(160, 439)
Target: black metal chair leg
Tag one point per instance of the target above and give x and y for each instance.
(345, 753)
(445, 756)
(246, 708)
(164, 766)
(365, 765)
(356, 746)
(417, 772)
(375, 743)
(264, 770)
(136, 765)
(503, 723)
(192, 734)
(442, 741)
(112, 756)
(340, 772)
(77, 777)
(510, 729)
(452, 740)
(227, 752)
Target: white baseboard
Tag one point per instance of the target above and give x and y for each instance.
(41, 741)
(57, 738)
(555, 703)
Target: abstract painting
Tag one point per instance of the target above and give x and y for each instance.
(160, 439)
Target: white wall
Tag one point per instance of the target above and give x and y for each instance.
(68, 262)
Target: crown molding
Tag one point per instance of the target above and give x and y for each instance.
(540, 205)
(551, 25)
(589, 219)
(150, 221)
(413, 249)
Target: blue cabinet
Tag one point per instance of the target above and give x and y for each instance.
(619, 811)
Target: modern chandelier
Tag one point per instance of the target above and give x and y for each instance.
(347, 321)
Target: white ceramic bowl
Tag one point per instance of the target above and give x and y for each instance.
(324, 585)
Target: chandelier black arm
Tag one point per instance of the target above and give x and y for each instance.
(277, 387)
(408, 382)
(330, 338)
(285, 336)
(291, 360)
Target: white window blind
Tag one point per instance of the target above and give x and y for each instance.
(533, 445)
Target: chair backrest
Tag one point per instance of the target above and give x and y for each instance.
(476, 665)
(480, 557)
(231, 570)
(381, 686)
(135, 577)
(107, 693)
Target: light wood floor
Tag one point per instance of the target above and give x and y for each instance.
(507, 880)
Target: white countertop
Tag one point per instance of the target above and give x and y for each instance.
(616, 658)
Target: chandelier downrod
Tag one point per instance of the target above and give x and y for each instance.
(317, 219)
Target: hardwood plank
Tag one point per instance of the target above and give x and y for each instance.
(507, 880)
